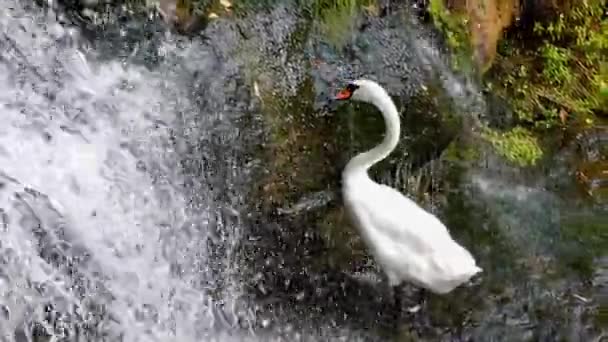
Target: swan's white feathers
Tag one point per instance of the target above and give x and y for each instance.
(391, 211)
(409, 243)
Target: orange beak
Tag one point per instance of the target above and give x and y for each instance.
(344, 94)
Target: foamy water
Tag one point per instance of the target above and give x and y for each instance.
(94, 219)
(122, 188)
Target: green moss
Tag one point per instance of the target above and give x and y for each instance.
(518, 145)
(585, 238)
(559, 75)
(335, 17)
(454, 28)
(243, 7)
(604, 91)
(457, 152)
(602, 82)
(337, 26)
(343, 242)
(185, 8)
(452, 25)
(299, 151)
(556, 78)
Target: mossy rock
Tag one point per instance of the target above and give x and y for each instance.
(301, 147)
(593, 178)
(306, 151)
(336, 18)
(342, 239)
(304, 155)
(585, 238)
(554, 74)
(518, 145)
(453, 25)
(472, 29)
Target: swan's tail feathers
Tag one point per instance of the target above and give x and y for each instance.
(469, 273)
(465, 266)
(452, 281)
(454, 270)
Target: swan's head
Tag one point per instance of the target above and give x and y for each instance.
(361, 90)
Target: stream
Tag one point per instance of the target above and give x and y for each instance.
(156, 187)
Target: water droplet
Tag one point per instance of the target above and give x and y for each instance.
(5, 313)
(140, 166)
(47, 136)
(265, 323)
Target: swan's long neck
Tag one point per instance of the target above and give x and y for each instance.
(365, 160)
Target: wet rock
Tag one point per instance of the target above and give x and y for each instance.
(544, 10)
(593, 176)
(181, 15)
(191, 17)
(592, 168)
(299, 261)
(484, 21)
(90, 3)
(488, 19)
(593, 143)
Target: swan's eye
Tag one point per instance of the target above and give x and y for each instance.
(347, 92)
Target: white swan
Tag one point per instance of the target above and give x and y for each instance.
(409, 243)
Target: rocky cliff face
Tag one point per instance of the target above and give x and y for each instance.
(298, 259)
(486, 20)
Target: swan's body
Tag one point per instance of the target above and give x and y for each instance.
(409, 243)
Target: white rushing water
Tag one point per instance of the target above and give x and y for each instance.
(94, 219)
(103, 236)
(122, 188)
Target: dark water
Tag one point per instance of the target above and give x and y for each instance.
(134, 164)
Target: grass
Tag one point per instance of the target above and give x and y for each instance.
(518, 145)
(555, 76)
(562, 79)
(455, 31)
(335, 17)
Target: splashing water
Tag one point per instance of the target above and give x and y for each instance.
(117, 223)
(97, 235)
(123, 188)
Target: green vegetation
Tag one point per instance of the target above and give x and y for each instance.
(454, 28)
(452, 25)
(585, 238)
(560, 77)
(604, 92)
(298, 155)
(518, 145)
(242, 7)
(200, 8)
(459, 151)
(336, 17)
(555, 76)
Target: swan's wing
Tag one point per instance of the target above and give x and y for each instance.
(410, 242)
(401, 219)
